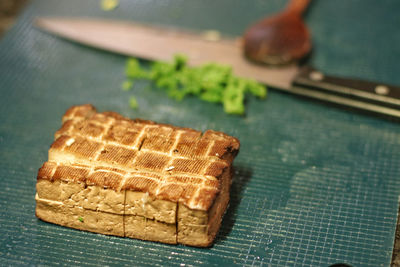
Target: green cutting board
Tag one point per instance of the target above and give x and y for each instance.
(314, 184)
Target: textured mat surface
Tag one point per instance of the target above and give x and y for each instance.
(314, 185)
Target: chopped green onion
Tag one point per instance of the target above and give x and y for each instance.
(127, 85)
(80, 219)
(108, 5)
(133, 102)
(233, 98)
(211, 82)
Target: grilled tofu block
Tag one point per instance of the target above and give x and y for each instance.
(136, 178)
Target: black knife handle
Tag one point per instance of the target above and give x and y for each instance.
(370, 96)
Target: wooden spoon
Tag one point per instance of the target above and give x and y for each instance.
(279, 39)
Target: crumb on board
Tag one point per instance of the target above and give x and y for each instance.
(108, 5)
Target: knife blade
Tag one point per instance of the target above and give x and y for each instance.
(162, 43)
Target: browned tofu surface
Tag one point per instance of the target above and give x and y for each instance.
(153, 181)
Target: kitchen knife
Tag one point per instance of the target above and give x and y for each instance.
(162, 43)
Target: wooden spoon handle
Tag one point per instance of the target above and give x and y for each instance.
(297, 6)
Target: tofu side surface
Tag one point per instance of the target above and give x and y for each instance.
(79, 218)
(199, 228)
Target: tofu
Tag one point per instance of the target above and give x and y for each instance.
(80, 218)
(142, 204)
(136, 178)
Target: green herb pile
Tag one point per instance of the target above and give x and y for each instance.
(210, 82)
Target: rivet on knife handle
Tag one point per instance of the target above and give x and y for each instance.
(365, 95)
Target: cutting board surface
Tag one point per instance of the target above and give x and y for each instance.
(314, 184)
